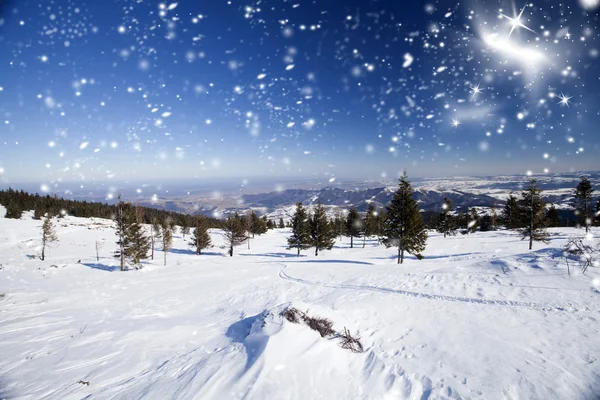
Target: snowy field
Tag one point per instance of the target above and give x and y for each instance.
(479, 318)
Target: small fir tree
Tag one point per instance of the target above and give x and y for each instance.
(446, 221)
(534, 208)
(281, 224)
(185, 227)
(473, 221)
(404, 225)
(200, 238)
(300, 238)
(553, 217)
(369, 223)
(133, 245)
(583, 197)
(166, 232)
(512, 216)
(235, 234)
(321, 232)
(48, 234)
(354, 225)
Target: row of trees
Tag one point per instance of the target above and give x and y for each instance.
(401, 225)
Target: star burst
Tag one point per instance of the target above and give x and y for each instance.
(516, 20)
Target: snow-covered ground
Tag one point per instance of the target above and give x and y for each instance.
(479, 318)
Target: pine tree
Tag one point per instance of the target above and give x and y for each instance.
(535, 209)
(404, 225)
(553, 217)
(200, 239)
(166, 232)
(493, 218)
(473, 221)
(597, 214)
(258, 226)
(13, 210)
(48, 234)
(281, 224)
(235, 234)
(321, 232)
(185, 227)
(300, 238)
(353, 225)
(154, 235)
(339, 222)
(512, 216)
(583, 197)
(381, 218)
(133, 244)
(369, 223)
(446, 221)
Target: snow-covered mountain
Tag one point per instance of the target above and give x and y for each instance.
(464, 192)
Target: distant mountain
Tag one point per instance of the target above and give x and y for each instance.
(463, 192)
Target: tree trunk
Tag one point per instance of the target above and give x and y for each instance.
(43, 250)
(364, 241)
(298, 250)
(152, 241)
(586, 216)
(231, 251)
(316, 250)
(399, 256)
(351, 241)
(165, 254)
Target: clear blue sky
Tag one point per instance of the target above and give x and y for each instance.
(146, 91)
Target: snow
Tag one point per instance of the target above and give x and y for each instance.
(479, 318)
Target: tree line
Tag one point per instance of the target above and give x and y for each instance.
(400, 224)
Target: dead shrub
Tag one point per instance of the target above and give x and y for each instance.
(349, 342)
(321, 325)
(292, 315)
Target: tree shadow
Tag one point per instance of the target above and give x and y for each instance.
(312, 260)
(277, 255)
(103, 267)
(182, 251)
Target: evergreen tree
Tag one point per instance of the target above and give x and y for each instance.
(553, 217)
(321, 232)
(493, 218)
(154, 235)
(270, 224)
(353, 225)
(339, 222)
(404, 225)
(166, 232)
(200, 239)
(133, 244)
(369, 223)
(381, 218)
(235, 234)
(48, 234)
(13, 210)
(583, 197)
(446, 221)
(300, 238)
(597, 214)
(258, 225)
(281, 224)
(473, 221)
(512, 217)
(535, 209)
(185, 227)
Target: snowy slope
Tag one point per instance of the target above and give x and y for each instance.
(480, 318)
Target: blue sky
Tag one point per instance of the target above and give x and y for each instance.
(147, 91)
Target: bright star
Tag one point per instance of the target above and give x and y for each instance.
(476, 90)
(516, 21)
(564, 100)
(567, 35)
(455, 123)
